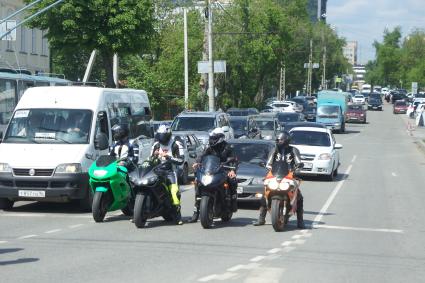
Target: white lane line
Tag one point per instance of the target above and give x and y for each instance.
(288, 249)
(299, 242)
(225, 276)
(53, 231)
(243, 266)
(75, 226)
(354, 159)
(27, 237)
(394, 174)
(274, 251)
(360, 229)
(331, 198)
(257, 258)
(208, 278)
(3, 242)
(286, 243)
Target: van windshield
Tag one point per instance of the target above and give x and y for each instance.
(62, 126)
(328, 111)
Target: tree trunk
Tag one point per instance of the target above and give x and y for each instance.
(108, 66)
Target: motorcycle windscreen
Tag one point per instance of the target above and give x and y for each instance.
(105, 160)
(280, 169)
(210, 164)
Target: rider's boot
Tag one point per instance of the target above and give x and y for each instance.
(234, 202)
(300, 214)
(262, 217)
(178, 215)
(195, 215)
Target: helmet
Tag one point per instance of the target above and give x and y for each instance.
(283, 140)
(120, 132)
(216, 137)
(163, 134)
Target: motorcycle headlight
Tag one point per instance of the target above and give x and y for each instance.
(284, 186)
(148, 181)
(100, 173)
(273, 184)
(325, 156)
(69, 168)
(206, 180)
(5, 168)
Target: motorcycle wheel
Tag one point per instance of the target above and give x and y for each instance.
(227, 216)
(207, 212)
(99, 206)
(139, 204)
(278, 219)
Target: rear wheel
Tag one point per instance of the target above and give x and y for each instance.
(6, 203)
(139, 207)
(207, 212)
(99, 206)
(278, 219)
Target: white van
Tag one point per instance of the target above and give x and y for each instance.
(54, 136)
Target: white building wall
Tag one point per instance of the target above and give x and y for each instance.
(30, 51)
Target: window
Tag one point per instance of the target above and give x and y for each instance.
(44, 44)
(7, 100)
(9, 41)
(33, 41)
(23, 39)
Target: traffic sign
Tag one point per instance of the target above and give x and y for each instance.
(219, 67)
(315, 65)
(414, 88)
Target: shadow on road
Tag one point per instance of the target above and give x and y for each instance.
(5, 251)
(48, 207)
(18, 261)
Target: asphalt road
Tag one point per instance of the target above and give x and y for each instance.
(367, 226)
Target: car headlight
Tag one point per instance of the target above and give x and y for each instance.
(206, 180)
(325, 156)
(273, 184)
(337, 124)
(69, 168)
(5, 168)
(100, 173)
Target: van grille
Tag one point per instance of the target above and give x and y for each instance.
(37, 172)
(30, 184)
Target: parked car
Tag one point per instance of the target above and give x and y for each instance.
(268, 126)
(359, 99)
(319, 151)
(374, 104)
(286, 117)
(242, 111)
(355, 113)
(400, 107)
(291, 125)
(192, 148)
(244, 127)
(201, 124)
(253, 156)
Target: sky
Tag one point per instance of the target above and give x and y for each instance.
(364, 21)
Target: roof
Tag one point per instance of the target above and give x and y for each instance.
(256, 141)
(311, 129)
(200, 114)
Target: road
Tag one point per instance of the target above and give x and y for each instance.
(367, 226)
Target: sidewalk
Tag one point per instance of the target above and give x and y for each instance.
(417, 133)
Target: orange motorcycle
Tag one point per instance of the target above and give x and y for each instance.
(281, 190)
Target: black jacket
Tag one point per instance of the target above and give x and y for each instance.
(289, 154)
(175, 156)
(224, 151)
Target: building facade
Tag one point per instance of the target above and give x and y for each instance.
(30, 50)
(350, 52)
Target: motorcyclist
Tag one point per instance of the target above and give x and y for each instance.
(165, 148)
(122, 148)
(220, 148)
(284, 153)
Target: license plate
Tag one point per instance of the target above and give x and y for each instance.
(308, 165)
(32, 194)
(374, 107)
(239, 190)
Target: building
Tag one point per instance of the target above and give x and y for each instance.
(313, 9)
(30, 50)
(350, 52)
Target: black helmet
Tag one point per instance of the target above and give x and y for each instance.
(283, 140)
(120, 132)
(163, 134)
(216, 137)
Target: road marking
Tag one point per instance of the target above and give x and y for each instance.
(394, 174)
(274, 251)
(299, 242)
(286, 243)
(265, 275)
(243, 266)
(3, 242)
(53, 231)
(75, 226)
(354, 159)
(359, 229)
(331, 198)
(208, 278)
(27, 237)
(257, 258)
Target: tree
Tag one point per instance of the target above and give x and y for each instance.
(110, 26)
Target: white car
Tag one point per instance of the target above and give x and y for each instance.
(297, 107)
(359, 99)
(282, 106)
(319, 151)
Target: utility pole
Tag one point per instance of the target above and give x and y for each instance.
(310, 69)
(211, 103)
(186, 63)
(324, 86)
(282, 82)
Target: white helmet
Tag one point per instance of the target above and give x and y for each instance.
(163, 134)
(216, 137)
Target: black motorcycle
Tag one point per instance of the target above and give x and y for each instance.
(214, 191)
(153, 196)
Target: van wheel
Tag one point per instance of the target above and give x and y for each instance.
(6, 203)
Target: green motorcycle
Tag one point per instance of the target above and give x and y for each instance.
(110, 187)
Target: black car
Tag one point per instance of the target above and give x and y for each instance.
(244, 127)
(242, 111)
(397, 96)
(310, 113)
(292, 125)
(287, 117)
(374, 104)
(253, 156)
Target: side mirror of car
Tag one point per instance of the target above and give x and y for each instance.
(193, 155)
(101, 142)
(338, 146)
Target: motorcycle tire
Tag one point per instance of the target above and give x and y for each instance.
(207, 212)
(226, 217)
(99, 206)
(139, 207)
(278, 219)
